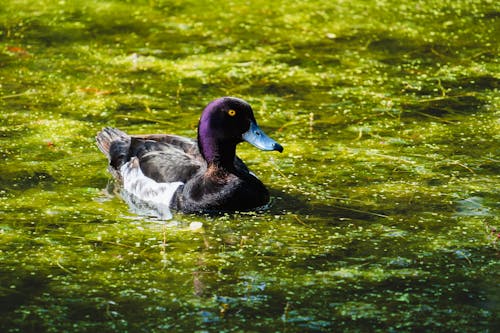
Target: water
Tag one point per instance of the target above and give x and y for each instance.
(385, 209)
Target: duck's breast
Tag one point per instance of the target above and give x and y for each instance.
(210, 194)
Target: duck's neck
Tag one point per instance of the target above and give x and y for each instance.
(218, 154)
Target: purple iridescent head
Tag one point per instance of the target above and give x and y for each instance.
(226, 122)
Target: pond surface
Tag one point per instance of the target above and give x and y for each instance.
(385, 215)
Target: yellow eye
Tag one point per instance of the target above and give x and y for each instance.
(232, 113)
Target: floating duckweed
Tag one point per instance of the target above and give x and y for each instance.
(385, 200)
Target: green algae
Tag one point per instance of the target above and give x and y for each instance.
(385, 211)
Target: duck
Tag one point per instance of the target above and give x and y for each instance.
(202, 175)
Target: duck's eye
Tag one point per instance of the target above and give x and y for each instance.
(232, 113)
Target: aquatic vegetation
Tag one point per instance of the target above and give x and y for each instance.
(385, 211)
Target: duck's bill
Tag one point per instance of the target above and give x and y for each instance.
(259, 139)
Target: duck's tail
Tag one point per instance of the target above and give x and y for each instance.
(115, 144)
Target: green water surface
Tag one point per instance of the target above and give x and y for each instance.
(385, 215)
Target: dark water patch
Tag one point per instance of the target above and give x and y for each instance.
(54, 35)
(19, 287)
(13, 132)
(327, 60)
(473, 83)
(479, 204)
(444, 106)
(342, 210)
(492, 15)
(278, 89)
(393, 45)
(367, 311)
(401, 51)
(305, 206)
(416, 52)
(313, 53)
(127, 106)
(402, 293)
(422, 205)
(193, 89)
(42, 314)
(490, 165)
(23, 180)
(281, 89)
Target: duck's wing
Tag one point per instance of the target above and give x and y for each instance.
(163, 158)
(168, 159)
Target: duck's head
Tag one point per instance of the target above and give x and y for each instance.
(227, 121)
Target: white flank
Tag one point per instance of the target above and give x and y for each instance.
(145, 194)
